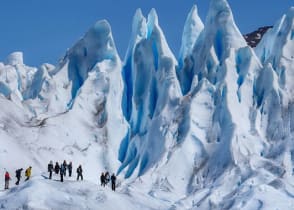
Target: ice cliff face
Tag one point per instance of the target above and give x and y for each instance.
(211, 130)
(154, 88)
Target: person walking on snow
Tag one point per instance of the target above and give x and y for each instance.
(50, 169)
(69, 169)
(56, 168)
(102, 179)
(64, 166)
(106, 178)
(113, 180)
(62, 172)
(28, 173)
(18, 175)
(7, 178)
(80, 173)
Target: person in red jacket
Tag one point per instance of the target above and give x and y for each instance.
(7, 178)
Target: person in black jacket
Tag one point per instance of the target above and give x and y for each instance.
(69, 168)
(106, 177)
(64, 166)
(50, 169)
(102, 179)
(80, 173)
(18, 175)
(113, 180)
(62, 172)
(56, 168)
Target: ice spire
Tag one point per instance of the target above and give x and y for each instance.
(96, 46)
(221, 28)
(193, 27)
(152, 20)
(219, 37)
(155, 33)
(215, 59)
(154, 89)
(139, 24)
(15, 58)
(139, 32)
(277, 48)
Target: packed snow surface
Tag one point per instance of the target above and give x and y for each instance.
(212, 129)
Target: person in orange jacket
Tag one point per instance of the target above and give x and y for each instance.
(7, 178)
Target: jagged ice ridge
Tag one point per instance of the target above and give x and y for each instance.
(210, 129)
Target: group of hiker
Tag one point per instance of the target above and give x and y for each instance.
(7, 177)
(61, 169)
(105, 178)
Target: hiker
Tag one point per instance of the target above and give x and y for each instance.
(18, 175)
(64, 166)
(56, 168)
(50, 169)
(62, 172)
(113, 179)
(7, 178)
(69, 168)
(106, 177)
(102, 179)
(28, 173)
(80, 173)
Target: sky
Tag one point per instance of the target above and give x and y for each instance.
(44, 29)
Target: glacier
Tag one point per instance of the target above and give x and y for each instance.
(211, 128)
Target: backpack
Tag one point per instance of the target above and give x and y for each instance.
(17, 172)
(62, 169)
(79, 170)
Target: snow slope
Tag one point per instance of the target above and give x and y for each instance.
(211, 130)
